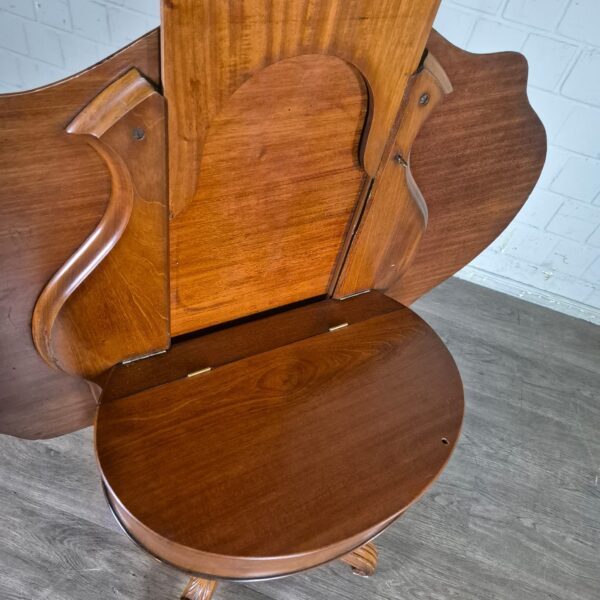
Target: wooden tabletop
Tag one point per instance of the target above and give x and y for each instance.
(289, 457)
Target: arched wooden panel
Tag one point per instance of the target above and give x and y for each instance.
(279, 180)
(210, 48)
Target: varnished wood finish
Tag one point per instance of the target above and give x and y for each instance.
(278, 182)
(363, 560)
(395, 216)
(211, 48)
(285, 459)
(54, 192)
(90, 316)
(199, 589)
(475, 160)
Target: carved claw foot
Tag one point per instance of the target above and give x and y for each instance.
(363, 560)
(199, 589)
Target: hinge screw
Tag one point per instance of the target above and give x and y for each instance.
(400, 160)
(138, 133)
(424, 99)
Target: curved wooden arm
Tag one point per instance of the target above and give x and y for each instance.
(86, 329)
(395, 215)
(111, 105)
(89, 255)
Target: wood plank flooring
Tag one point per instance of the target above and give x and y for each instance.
(515, 516)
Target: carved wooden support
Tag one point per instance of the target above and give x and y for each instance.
(363, 560)
(108, 302)
(395, 215)
(199, 589)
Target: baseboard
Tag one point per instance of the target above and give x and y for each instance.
(530, 293)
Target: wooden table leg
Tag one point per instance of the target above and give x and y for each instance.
(199, 589)
(363, 560)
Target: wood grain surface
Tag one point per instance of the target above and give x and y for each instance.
(109, 301)
(209, 49)
(54, 192)
(513, 515)
(279, 181)
(291, 457)
(476, 160)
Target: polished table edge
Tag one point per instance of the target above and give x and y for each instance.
(107, 496)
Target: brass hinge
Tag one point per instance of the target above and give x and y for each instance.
(142, 357)
(199, 372)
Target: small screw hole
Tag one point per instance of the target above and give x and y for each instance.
(445, 441)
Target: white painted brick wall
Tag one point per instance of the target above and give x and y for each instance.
(551, 252)
(42, 41)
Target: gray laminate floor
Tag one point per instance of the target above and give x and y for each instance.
(516, 515)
